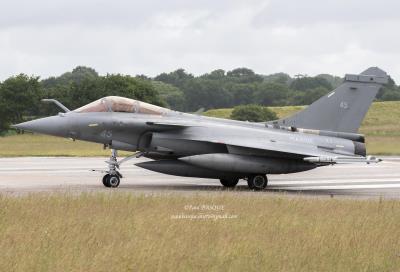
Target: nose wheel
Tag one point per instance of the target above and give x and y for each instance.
(111, 181)
(113, 176)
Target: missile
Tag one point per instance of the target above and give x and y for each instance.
(342, 160)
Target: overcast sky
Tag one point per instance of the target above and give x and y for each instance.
(49, 37)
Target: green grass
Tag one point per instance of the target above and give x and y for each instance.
(42, 145)
(383, 118)
(381, 125)
(130, 232)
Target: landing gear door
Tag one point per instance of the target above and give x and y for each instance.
(144, 141)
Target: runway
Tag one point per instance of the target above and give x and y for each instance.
(55, 174)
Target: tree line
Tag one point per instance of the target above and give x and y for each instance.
(242, 86)
(179, 90)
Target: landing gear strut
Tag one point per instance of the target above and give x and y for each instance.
(113, 176)
(257, 182)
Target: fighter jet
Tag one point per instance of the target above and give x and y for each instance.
(182, 144)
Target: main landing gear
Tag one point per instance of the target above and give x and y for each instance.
(229, 183)
(256, 182)
(113, 176)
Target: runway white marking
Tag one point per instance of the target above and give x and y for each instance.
(342, 187)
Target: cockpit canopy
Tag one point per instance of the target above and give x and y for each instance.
(121, 104)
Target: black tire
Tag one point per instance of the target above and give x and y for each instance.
(249, 183)
(229, 183)
(113, 181)
(106, 182)
(257, 182)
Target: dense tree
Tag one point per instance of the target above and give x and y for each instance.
(244, 75)
(391, 95)
(84, 92)
(84, 85)
(309, 83)
(215, 75)
(307, 97)
(66, 88)
(253, 113)
(243, 86)
(177, 78)
(208, 94)
(280, 78)
(389, 90)
(335, 81)
(77, 75)
(91, 89)
(241, 93)
(173, 96)
(271, 94)
(19, 99)
(122, 85)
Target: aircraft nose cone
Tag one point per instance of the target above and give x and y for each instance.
(30, 125)
(54, 125)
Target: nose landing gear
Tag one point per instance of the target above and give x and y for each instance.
(113, 176)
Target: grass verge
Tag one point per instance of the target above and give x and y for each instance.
(121, 232)
(42, 145)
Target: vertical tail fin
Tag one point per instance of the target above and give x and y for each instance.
(343, 109)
